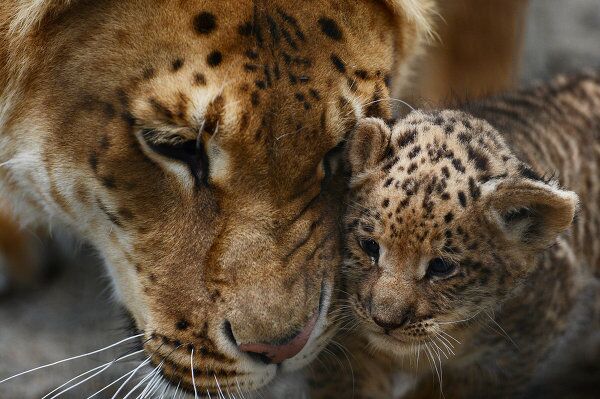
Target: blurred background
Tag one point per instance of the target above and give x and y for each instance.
(73, 312)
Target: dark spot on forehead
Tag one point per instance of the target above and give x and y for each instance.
(338, 63)
(255, 98)
(176, 64)
(246, 29)
(199, 79)
(148, 73)
(205, 23)
(361, 74)
(214, 58)
(330, 28)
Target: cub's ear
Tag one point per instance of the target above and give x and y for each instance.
(531, 213)
(367, 144)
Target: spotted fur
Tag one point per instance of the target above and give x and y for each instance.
(480, 190)
(188, 142)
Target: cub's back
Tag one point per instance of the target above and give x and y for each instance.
(555, 128)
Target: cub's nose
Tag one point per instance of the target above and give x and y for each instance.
(276, 353)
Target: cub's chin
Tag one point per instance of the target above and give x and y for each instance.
(391, 345)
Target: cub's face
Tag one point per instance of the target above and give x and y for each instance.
(193, 143)
(443, 223)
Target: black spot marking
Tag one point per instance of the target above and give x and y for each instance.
(148, 73)
(205, 23)
(414, 152)
(214, 59)
(182, 324)
(93, 161)
(385, 203)
(449, 217)
(255, 98)
(529, 173)
(361, 74)
(199, 79)
(458, 165)
(250, 67)
(273, 29)
(330, 28)
(261, 84)
(445, 196)
(176, 65)
(109, 182)
(413, 166)
(481, 161)
(315, 94)
(474, 190)
(300, 97)
(338, 63)
(388, 182)
(407, 138)
(462, 198)
(246, 29)
(445, 172)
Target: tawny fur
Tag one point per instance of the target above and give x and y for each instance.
(244, 249)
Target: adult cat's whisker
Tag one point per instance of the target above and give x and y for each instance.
(133, 374)
(109, 385)
(130, 377)
(221, 395)
(70, 358)
(102, 368)
(193, 376)
(155, 373)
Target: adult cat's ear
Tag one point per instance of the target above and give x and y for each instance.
(531, 213)
(367, 144)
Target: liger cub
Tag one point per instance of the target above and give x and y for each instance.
(472, 250)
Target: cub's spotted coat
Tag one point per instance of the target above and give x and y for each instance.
(458, 244)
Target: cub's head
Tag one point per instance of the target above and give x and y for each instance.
(444, 222)
(194, 143)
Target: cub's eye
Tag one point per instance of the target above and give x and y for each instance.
(439, 267)
(190, 152)
(371, 248)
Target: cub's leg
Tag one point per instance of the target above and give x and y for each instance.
(477, 53)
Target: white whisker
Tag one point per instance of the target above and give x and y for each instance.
(193, 377)
(102, 367)
(129, 378)
(70, 359)
(111, 384)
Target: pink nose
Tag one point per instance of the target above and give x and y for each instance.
(278, 353)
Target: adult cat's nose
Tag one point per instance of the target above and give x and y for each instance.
(275, 353)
